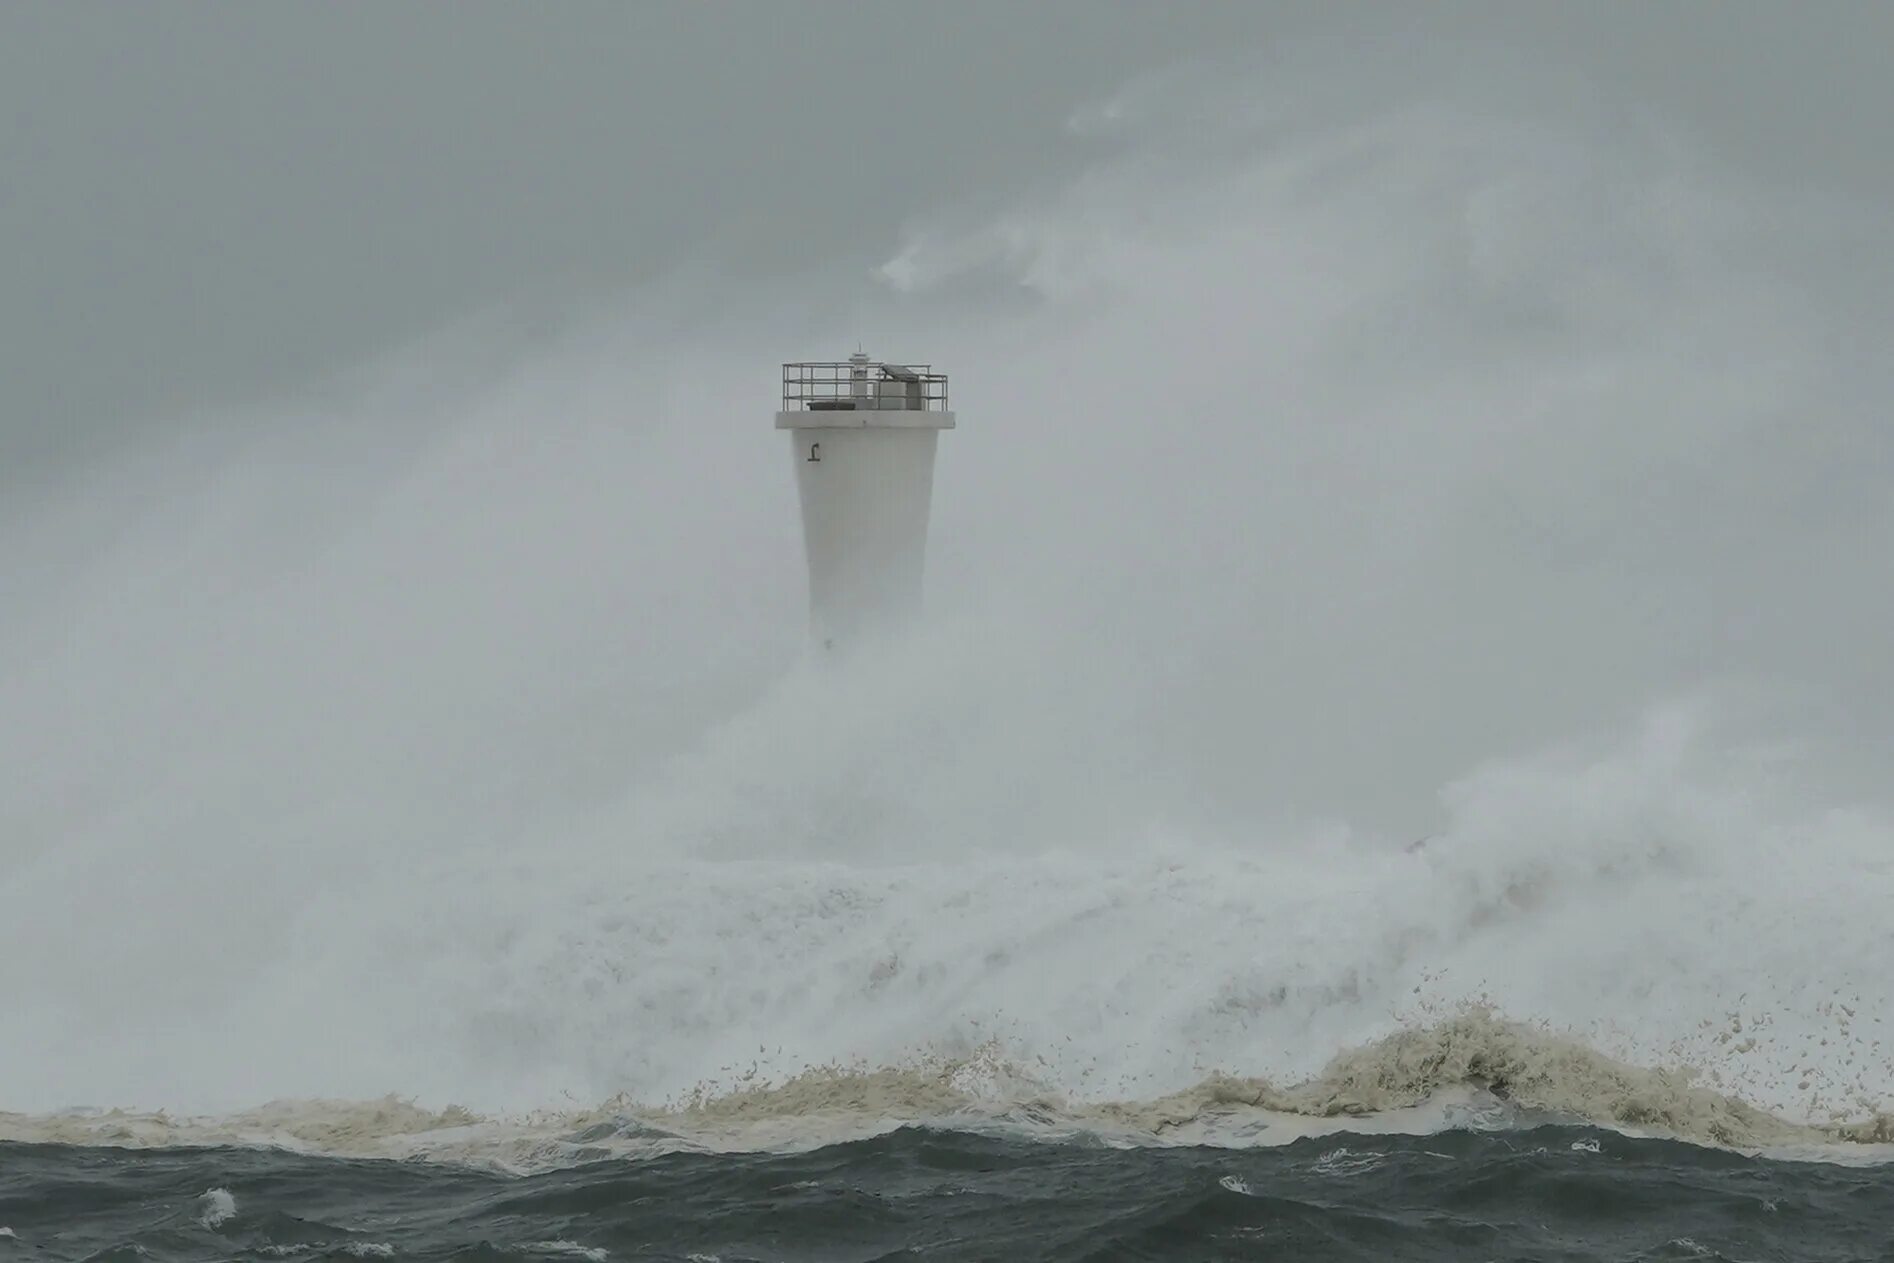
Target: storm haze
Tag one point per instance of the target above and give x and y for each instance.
(1468, 422)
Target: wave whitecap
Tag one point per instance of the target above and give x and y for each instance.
(1472, 1070)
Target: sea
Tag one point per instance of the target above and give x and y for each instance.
(1546, 1192)
(1473, 1138)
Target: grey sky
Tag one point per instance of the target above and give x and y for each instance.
(203, 203)
(207, 201)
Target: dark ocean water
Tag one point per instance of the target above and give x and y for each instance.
(1549, 1193)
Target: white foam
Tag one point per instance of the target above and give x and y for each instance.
(789, 1003)
(219, 1207)
(596, 1254)
(357, 1249)
(1471, 1071)
(1346, 1162)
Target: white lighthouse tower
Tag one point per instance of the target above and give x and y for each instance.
(863, 435)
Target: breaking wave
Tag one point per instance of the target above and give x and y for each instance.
(455, 743)
(1471, 1071)
(1619, 936)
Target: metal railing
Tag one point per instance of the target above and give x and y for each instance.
(863, 385)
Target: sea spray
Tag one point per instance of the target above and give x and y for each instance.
(1412, 1082)
(1363, 479)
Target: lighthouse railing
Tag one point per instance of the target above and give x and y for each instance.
(853, 385)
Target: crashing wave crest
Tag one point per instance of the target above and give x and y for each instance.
(1475, 1069)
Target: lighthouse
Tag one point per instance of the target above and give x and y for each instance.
(862, 435)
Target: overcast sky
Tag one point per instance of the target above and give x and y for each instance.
(206, 201)
(203, 203)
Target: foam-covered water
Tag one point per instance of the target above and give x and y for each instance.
(1384, 567)
(1629, 899)
(1469, 1072)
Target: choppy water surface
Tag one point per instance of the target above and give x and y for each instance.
(1543, 1193)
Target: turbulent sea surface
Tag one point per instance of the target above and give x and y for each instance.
(1540, 1193)
(1459, 1140)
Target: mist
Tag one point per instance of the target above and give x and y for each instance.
(1359, 443)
